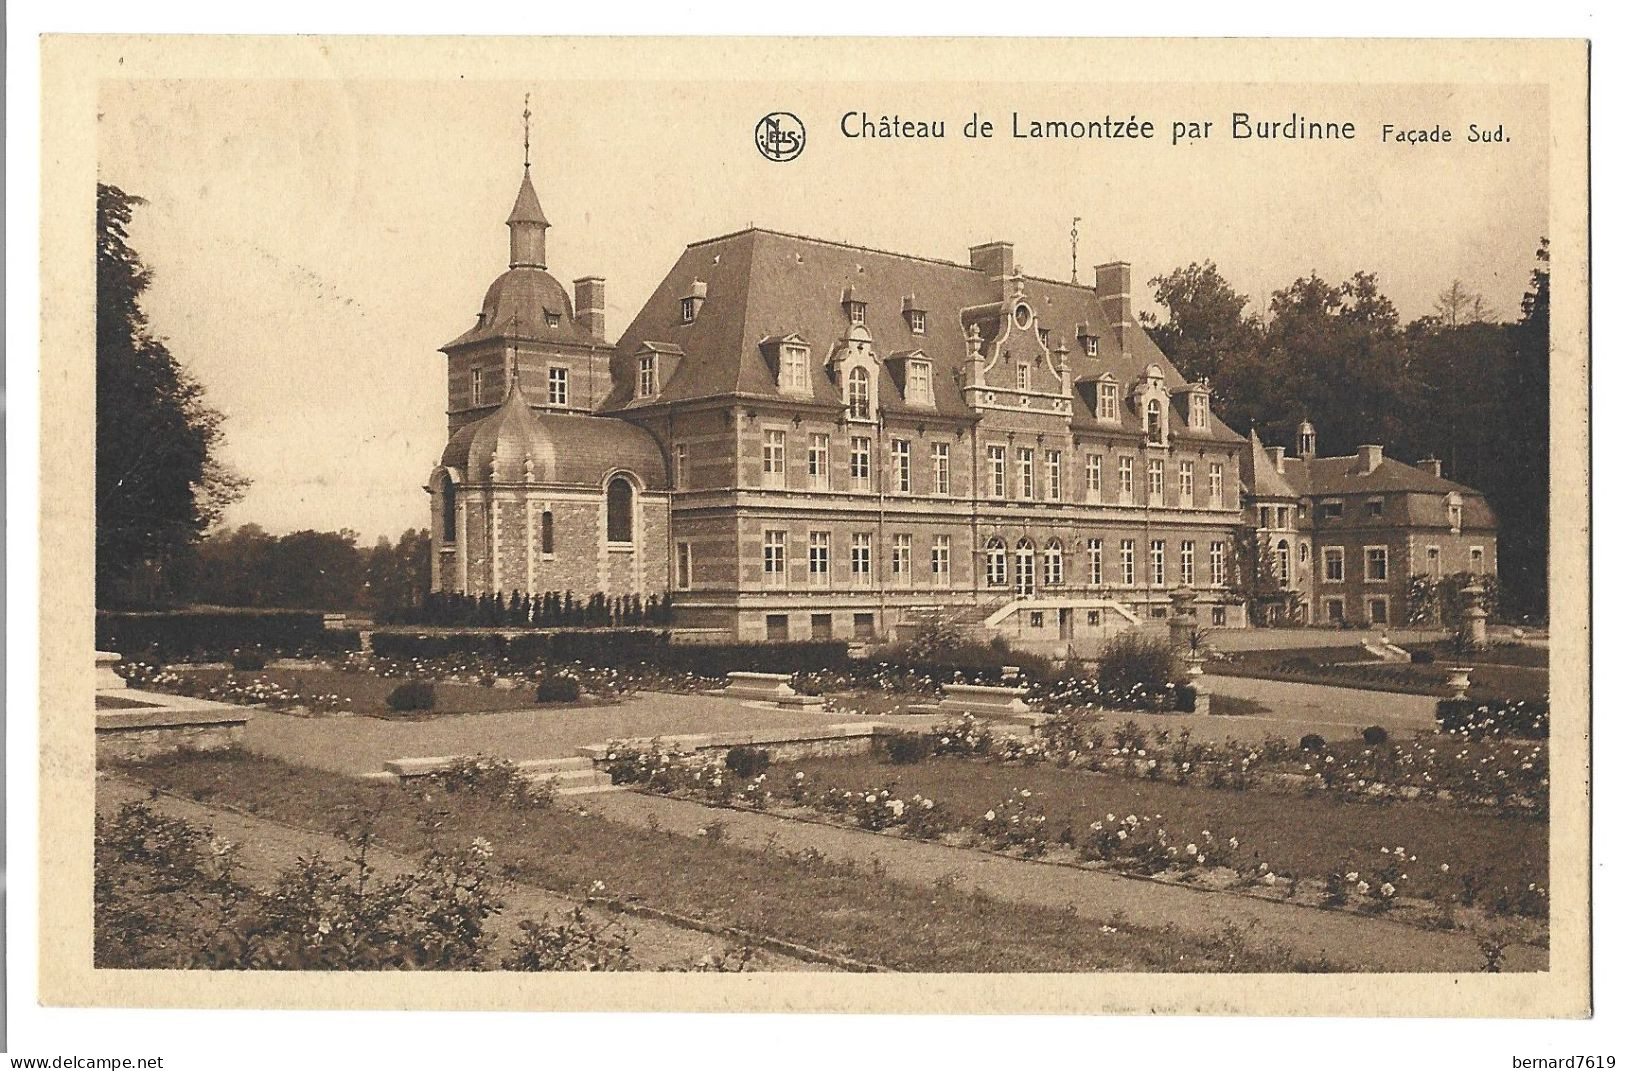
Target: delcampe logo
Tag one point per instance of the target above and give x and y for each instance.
(780, 136)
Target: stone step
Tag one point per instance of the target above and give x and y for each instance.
(590, 790)
(573, 762)
(569, 778)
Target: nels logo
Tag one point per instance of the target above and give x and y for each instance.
(780, 137)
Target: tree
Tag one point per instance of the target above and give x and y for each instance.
(1208, 333)
(1524, 505)
(159, 484)
(1456, 305)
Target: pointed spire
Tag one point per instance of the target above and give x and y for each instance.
(527, 226)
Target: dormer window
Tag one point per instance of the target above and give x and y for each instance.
(1153, 420)
(793, 368)
(1043, 337)
(690, 306)
(857, 394)
(1090, 343)
(916, 321)
(1199, 419)
(648, 375)
(552, 319)
(1108, 402)
(919, 382)
(1452, 504)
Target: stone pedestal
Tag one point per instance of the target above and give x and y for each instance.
(770, 686)
(1460, 677)
(1475, 617)
(1182, 622)
(107, 678)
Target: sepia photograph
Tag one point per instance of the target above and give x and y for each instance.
(582, 519)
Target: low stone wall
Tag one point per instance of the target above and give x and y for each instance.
(784, 745)
(143, 734)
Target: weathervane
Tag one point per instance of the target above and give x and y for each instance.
(527, 136)
(1075, 221)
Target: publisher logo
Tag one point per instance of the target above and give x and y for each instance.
(780, 137)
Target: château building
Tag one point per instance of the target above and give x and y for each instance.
(802, 438)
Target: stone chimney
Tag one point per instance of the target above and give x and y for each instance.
(1112, 288)
(995, 259)
(590, 304)
(1370, 458)
(1432, 466)
(1277, 457)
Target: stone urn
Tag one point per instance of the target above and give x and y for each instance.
(1458, 679)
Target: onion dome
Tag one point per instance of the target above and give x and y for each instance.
(504, 447)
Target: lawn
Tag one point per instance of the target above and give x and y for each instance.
(342, 690)
(838, 907)
(1494, 676)
(1309, 836)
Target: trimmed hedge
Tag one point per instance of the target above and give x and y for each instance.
(1527, 718)
(216, 634)
(616, 648)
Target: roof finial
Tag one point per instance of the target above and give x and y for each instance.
(527, 131)
(1075, 222)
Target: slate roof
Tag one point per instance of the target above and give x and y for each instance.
(761, 283)
(1424, 504)
(1258, 473)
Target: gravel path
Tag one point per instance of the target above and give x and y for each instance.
(1334, 713)
(266, 848)
(1351, 941)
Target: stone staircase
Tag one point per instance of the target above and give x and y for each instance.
(571, 777)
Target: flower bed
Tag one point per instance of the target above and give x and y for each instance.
(1366, 874)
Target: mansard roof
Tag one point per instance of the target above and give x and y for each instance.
(762, 283)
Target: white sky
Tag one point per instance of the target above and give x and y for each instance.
(315, 242)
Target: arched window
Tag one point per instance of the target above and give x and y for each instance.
(1153, 420)
(1054, 564)
(1024, 567)
(857, 393)
(448, 510)
(1283, 562)
(547, 531)
(997, 563)
(620, 510)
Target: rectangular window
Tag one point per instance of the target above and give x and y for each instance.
(1108, 402)
(1215, 563)
(916, 321)
(823, 626)
(679, 465)
(1373, 507)
(773, 543)
(778, 628)
(1091, 345)
(919, 382)
(1475, 558)
(1043, 337)
(902, 556)
(1093, 559)
(1125, 478)
(863, 626)
(773, 458)
(1334, 611)
(940, 561)
(862, 543)
(1024, 375)
(646, 375)
(901, 476)
(1052, 474)
(1091, 475)
(859, 467)
(1330, 511)
(793, 368)
(1153, 480)
(858, 311)
(1187, 482)
(1376, 563)
(1282, 517)
(558, 386)
(1377, 611)
(1435, 569)
(939, 468)
(818, 460)
(818, 559)
(689, 307)
(1125, 551)
(996, 486)
(1198, 411)
(1264, 515)
(1035, 619)
(1158, 554)
(1215, 484)
(1331, 565)
(685, 566)
(1024, 470)
(1187, 563)
(476, 386)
